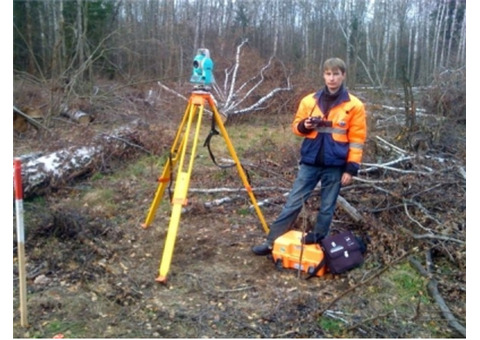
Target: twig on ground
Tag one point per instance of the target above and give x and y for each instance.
(378, 273)
(431, 236)
(433, 289)
(367, 320)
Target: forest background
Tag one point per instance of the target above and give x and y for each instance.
(383, 42)
(111, 57)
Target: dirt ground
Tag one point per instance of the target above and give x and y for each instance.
(91, 268)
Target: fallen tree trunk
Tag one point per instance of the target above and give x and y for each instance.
(42, 173)
(77, 115)
(50, 171)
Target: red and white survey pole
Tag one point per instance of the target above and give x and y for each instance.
(17, 181)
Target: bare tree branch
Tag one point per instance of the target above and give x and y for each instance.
(234, 75)
(29, 119)
(433, 289)
(166, 88)
(231, 105)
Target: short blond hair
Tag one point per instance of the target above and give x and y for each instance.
(335, 64)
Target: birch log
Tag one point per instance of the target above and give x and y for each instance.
(42, 173)
(77, 115)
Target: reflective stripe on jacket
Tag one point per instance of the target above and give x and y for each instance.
(339, 140)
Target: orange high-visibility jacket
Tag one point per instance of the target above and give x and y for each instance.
(340, 137)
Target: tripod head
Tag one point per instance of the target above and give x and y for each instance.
(202, 73)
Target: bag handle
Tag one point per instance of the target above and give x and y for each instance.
(317, 268)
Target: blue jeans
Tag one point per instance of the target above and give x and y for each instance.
(307, 179)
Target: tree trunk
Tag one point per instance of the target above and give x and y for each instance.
(56, 64)
(45, 173)
(77, 115)
(436, 39)
(462, 41)
(452, 30)
(31, 55)
(80, 37)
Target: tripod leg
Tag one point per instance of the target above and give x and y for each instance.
(179, 200)
(240, 170)
(180, 193)
(163, 180)
(168, 168)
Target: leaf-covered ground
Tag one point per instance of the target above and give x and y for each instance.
(91, 268)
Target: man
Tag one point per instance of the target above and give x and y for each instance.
(333, 123)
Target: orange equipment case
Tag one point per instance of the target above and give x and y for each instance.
(288, 248)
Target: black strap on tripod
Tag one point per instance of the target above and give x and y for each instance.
(170, 175)
(214, 132)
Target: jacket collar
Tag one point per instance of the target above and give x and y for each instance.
(340, 97)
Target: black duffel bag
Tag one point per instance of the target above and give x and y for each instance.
(342, 252)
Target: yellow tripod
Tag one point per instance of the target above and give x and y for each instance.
(180, 150)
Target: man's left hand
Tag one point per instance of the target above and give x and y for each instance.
(346, 179)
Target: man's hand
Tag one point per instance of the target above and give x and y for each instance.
(346, 179)
(309, 123)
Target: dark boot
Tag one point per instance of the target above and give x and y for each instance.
(312, 238)
(262, 249)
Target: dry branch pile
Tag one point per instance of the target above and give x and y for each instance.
(421, 195)
(417, 202)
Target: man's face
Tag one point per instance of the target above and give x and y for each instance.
(333, 79)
